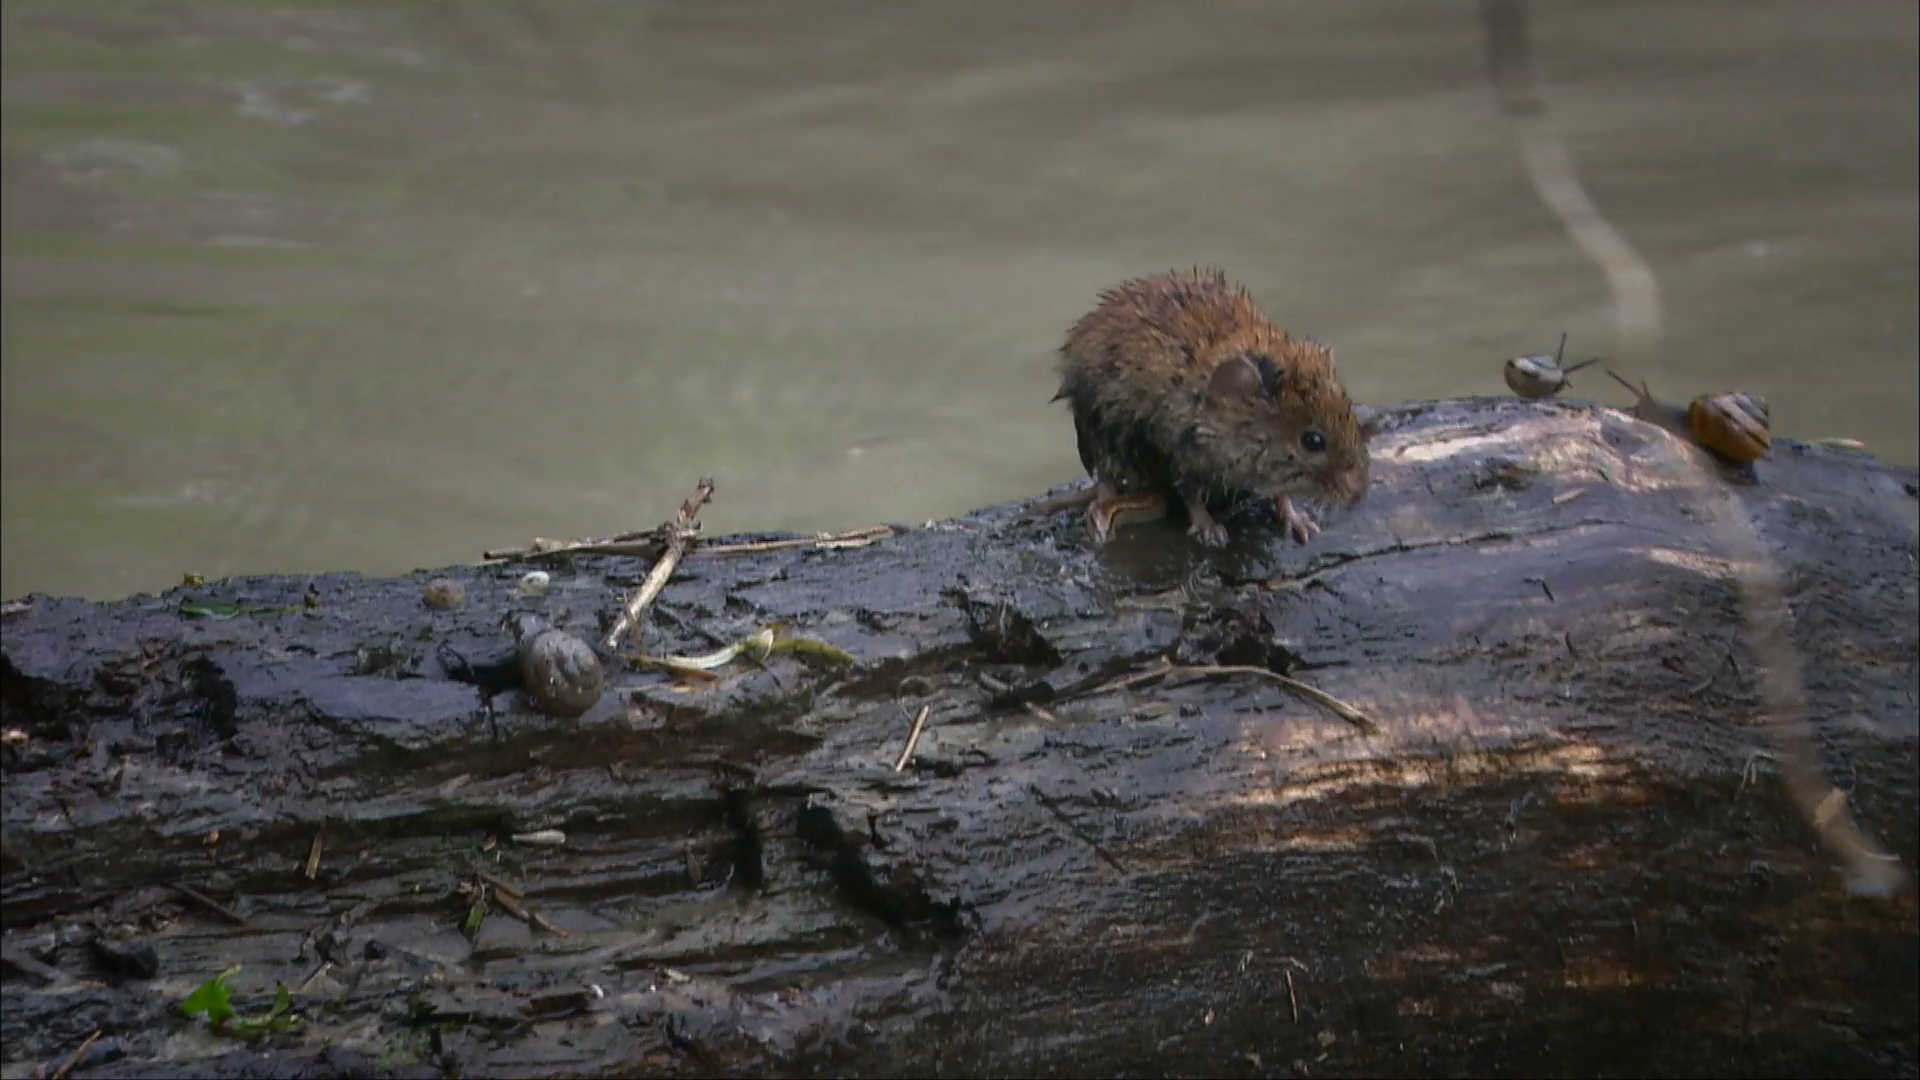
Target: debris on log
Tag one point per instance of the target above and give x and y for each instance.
(1002, 841)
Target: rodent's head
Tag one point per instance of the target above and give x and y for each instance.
(1280, 409)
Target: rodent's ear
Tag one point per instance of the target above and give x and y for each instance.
(1369, 420)
(1246, 376)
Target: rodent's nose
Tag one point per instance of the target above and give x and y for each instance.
(1353, 483)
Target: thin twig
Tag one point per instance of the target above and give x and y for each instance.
(1125, 681)
(826, 541)
(1293, 1002)
(74, 1058)
(319, 969)
(680, 533)
(913, 738)
(1075, 828)
(1726, 662)
(512, 904)
(501, 887)
(645, 545)
(210, 904)
(649, 545)
(999, 687)
(1314, 694)
(313, 854)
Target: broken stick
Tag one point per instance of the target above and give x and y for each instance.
(913, 738)
(680, 533)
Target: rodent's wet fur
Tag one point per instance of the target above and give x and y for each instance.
(1179, 381)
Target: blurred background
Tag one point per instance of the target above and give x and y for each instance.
(379, 285)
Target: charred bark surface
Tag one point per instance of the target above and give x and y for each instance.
(1563, 853)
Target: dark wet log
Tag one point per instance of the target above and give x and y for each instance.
(1565, 851)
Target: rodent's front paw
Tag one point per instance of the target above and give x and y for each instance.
(1295, 522)
(1209, 534)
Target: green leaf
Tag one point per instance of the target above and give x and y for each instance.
(222, 612)
(808, 648)
(212, 999)
(210, 611)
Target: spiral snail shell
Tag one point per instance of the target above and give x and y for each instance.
(1732, 425)
(1541, 376)
(561, 671)
(1736, 427)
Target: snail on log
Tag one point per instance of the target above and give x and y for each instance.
(1541, 376)
(562, 672)
(1733, 427)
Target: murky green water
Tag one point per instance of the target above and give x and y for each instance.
(379, 285)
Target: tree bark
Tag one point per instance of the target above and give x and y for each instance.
(1562, 851)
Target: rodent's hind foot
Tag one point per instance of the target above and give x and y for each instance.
(1204, 529)
(1294, 521)
(1212, 534)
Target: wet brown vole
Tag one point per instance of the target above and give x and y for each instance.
(1179, 382)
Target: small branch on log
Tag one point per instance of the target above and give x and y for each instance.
(1314, 694)
(313, 855)
(645, 544)
(913, 738)
(1075, 828)
(210, 904)
(514, 904)
(858, 538)
(74, 1058)
(999, 687)
(648, 545)
(680, 533)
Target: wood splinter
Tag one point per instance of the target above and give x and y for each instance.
(913, 738)
(74, 1058)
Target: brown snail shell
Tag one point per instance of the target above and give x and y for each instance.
(562, 672)
(1736, 427)
(443, 594)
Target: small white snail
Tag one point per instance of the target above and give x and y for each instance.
(1541, 376)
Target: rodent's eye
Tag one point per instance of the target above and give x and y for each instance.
(1314, 442)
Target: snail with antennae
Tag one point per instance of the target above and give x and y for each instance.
(1542, 376)
(1733, 427)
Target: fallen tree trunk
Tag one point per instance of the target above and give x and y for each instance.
(1559, 851)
